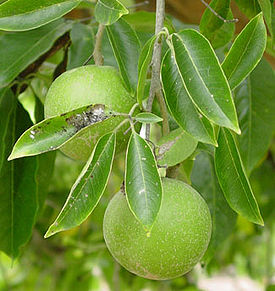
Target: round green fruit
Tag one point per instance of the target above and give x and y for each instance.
(177, 241)
(84, 86)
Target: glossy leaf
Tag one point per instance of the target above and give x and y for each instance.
(19, 15)
(182, 108)
(142, 181)
(203, 78)
(82, 37)
(18, 191)
(108, 12)
(25, 47)
(213, 28)
(143, 65)
(256, 106)
(147, 117)
(126, 48)
(233, 180)
(175, 147)
(249, 7)
(52, 133)
(204, 180)
(267, 10)
(246, 51)
(88, 188)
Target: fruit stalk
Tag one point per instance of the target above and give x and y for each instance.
(156, 60)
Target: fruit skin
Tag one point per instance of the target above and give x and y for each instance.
(84, 86)
(178, 239)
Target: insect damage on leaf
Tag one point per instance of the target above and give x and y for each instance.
(93, 114)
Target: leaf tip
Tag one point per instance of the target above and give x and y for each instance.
(50, 232)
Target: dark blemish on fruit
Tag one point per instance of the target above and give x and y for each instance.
(92, 176)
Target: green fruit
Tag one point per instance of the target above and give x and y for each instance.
(84, 86)
(178, 239)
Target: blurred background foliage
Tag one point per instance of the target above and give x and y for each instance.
(78, 259)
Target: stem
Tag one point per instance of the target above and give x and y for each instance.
(156, 60)
(218, 15)
(164, 113)
(97, 54)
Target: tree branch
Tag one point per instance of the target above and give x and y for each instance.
(218, 15)
(164, 113)
(156, 60)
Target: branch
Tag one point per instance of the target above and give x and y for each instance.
(156, 60)
(219, 16)
(97, 54)
(164, 113)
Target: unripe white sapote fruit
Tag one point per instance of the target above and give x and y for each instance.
(84, 86)
(177, 241)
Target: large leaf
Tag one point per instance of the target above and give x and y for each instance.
(20, 49)
(233, 180)
(143, 65)
(142, 181)
(213, 28)
(175, 147)
(267, 8)
(203, 78)
(249, 7)
(246, 51)
(181, 106)
(204, 180)
(19, 15)
(82, 37)
(256, 106)
(109, 11)
(18, 191)
(126, 48)
(52, 133)
(88, 188)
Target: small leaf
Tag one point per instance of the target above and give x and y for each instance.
(109, 11)
(246, 51)
(126, 48)
(175, 147)
(147, 117)
(88, 188)
(204, 180)
(213, 28)
(232, 178)
(82, 37)
(182, 108)
(143, 65)
(52, 133)
(142, 181)
(204, 79)
(17, 15)
(18, 191)
(25, 47)
(256, 107)
(267, 10)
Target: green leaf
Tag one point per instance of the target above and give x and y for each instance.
(175, 147)
(25, 47)
(246, 51)
(109, 11)
(233, 180)
(267, 9)
(182, 108)
(82, 37)
(126, 48)
(213, 28)
(88, 188)
(204, 79)
(147, 117)
(143, 65)
(52, 133)
(256, 106)
(204, 180)
(19, 15)
(142, 181)
(249, 7)
(18, 191)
